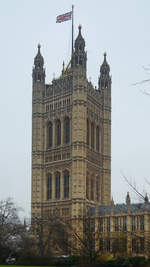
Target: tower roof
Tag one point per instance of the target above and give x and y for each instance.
(39, 58)
(104, 69)
(79, 40)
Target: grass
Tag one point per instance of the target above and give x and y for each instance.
(21, 266)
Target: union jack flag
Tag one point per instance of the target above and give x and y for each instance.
(64, 17)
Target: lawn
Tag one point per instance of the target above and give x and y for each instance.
(21, 266)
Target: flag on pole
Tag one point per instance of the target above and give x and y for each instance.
(64, 17)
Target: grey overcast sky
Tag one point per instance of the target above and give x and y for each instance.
(122, 29)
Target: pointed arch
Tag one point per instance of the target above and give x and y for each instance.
(57, 185)
(50, 134)
(66, 130)
(66, 184)
(49, 186)
(58, 132)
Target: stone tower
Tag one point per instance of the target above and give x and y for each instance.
(71, 138)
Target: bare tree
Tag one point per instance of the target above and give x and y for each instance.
(10, 227)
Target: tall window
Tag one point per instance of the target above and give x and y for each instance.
(50, 134)
(57, 186)
(66, 184)
(133, 223)
(142, 223)
(101, 245)
(107, 244)
(97, 189)
(58, 132)
(49, 187)
(101, 225)
(92, 189)
(116, 222)
(134, 245)
(87, 137)
(97, 138)
(108, 224)
(92, 135)
(87, 187)
(67, 130)
(124, 224)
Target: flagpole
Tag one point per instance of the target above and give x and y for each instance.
(72, 28)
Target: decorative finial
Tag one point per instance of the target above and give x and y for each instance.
(79, 27)
(39, 46)
(105, 54)
(72, 6)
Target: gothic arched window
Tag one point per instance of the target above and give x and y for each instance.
(49, 186)
(92, 189)
(66, 184)
(97, 138)
(92, 135)
(87, 187)
(58, 132)
(57, 185)
(97, 189)
(87, 133)
(50, 134)
(67, 130)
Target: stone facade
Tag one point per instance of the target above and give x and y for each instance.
(122, 228)
(71, 138)
(71, 155)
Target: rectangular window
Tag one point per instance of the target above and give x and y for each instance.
(108, 224)
(142, 223)
(101, 245)
(124, 224)
(142, 245)
(107, 245)
(92, 224)
(134, 245)
(133, 224)
(116, 222)
(101, 225)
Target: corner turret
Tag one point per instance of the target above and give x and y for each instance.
(38, 73)
(104, 79)
(79, 56)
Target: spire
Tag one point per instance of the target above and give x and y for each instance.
(38, 73)
(128, 200)
(105, 79)
(79, 55)
(79, 42)
(146, 199)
